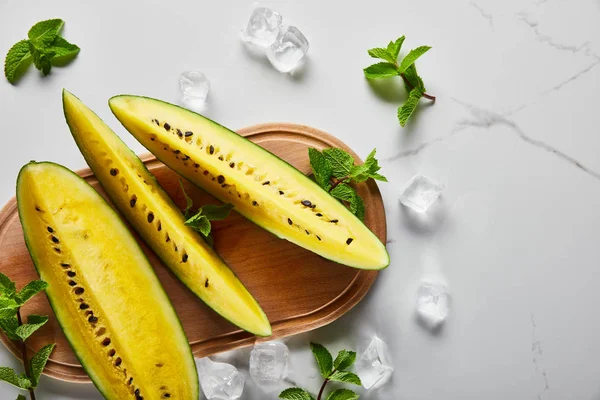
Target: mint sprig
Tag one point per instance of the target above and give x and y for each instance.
(334, 171)
(44, 47)
(332, 371)
(200, 220)
(12, 325)
(405, 68)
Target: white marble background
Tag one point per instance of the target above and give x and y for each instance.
(514, 137)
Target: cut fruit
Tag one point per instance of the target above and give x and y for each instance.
(157, 219)
(103, 291)
(263, 188)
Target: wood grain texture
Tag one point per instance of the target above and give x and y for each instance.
(298, 290)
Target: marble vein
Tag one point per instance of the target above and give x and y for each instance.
(484, 14)
(537, 352)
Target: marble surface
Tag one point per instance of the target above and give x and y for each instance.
(513, 136)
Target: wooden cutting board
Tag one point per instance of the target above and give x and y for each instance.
(298, 290)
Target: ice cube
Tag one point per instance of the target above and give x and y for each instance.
(374, 366)
(219, 380)
(420, 193)
(268, 364)
(194, 90)
(288, 50)
(263, 27)
(432, 304)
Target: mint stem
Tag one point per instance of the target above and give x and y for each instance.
(338, 181)
(24, 354)
(325, 382)
(427, 96)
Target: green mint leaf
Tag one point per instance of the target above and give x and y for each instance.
(8, 308)
(21, 397)
(30, 290)
(38, 362)
(7, 286)
(346, 377)
(199, 223)
(295, 394)
(34, 322)
(394, 47)
(17, 60)
(10, 376)
(381, 70)
(216, 212)
(43, 33)
(407, 109)
(341, 162)
(413, 78)
(342, 394)
(64, 51)
(42, 59)
(321, 168)
(188, 201)
(344, 360)
(412, 57)
(348, 194)
(324, 359)
(384, 54)
(368, 169)
(9, 326)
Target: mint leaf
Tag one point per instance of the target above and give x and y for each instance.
(412, 57)
(42, 59)
(216, 212)
(384, 54)
(346, 377)
(10, 376)
(342, 394)
(407, 109)
(8, 308)
(9, 326)
(17, 60)
(324, 359)
(200, 224)
(7, 287)
(348, 194)
(38, 362)
(295, 394)
(341, 162)
(30, 290)
(414, 79)
(63, 51)
(321, 168)
(188, 201)
(21, 397)
(344, 360)
(381, 70)
(394, 47)
(43, 33)
(34, 322)
(361, 173)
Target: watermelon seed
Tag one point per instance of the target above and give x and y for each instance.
(130, 381)
(254, 203)
(55, 239)
(221, 158)
(114, 171)
(92, 319)
(168, 239)
(133, 200)
(163, 388)
(176, 249)
(196, 165)
(72, 283)
(179, 133)
(83, 306)
(159, 228)
(118, 361)
(185, 158)
(319, 215)
(306, 203)
(166, 395)
(167, 127)
(106, 342)
(153, 138)
(307, 232)
(56, 249)
(137, 392)
(205, 172)
(65, 265)
(150, 217)
(349, 240)
(156, 122)
(37, 208)
(281, 193)
(221, 179)
(176, 151)
(266, 183)
(71, 274)
(112, 353)
(101, 331)
(318, 237)
(160, 365)
(206, 283)
(290, 221)
(184, 258)
(231, 165)
(334, 221)
(211, 149)
(50, 230)
(79, 291)
(189, 133)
